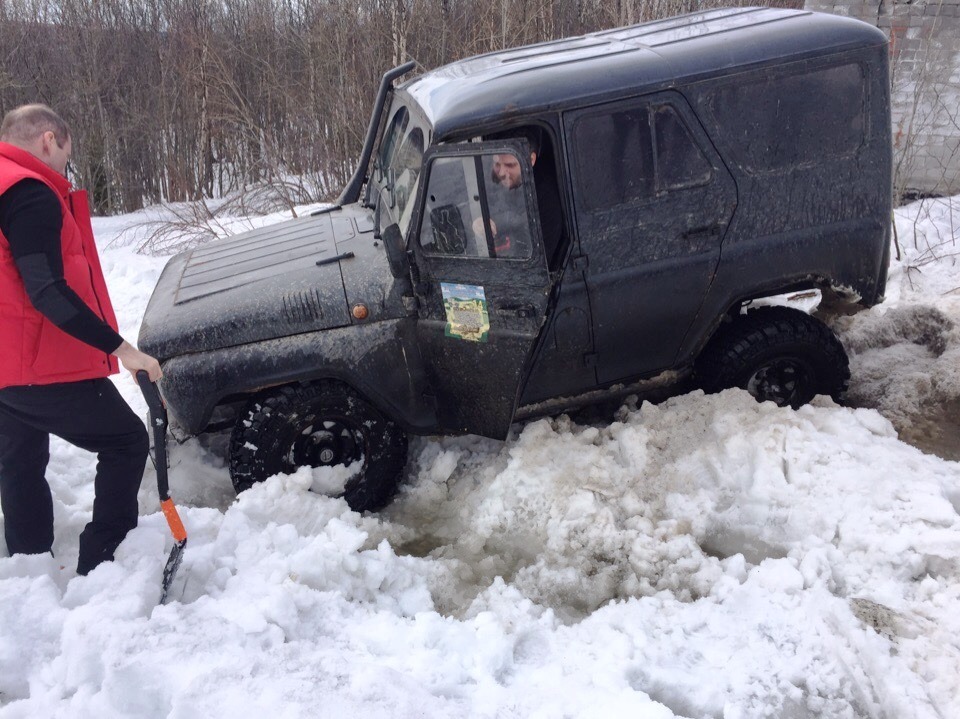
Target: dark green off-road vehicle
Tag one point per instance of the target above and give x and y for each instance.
(533, 230)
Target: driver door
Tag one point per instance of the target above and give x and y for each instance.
(481, 281)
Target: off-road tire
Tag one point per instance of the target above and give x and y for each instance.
(278, 432)
(778, 354)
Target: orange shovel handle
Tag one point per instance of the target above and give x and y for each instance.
(173, 519)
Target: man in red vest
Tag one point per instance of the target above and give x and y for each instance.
(58, 345)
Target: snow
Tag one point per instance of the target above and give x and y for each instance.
(705, 557)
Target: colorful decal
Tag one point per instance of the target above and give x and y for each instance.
(466, 309)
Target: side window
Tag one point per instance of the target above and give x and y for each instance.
(397, 126)
(679, 160)
(634, 154)
(407, 165)
(398, 166)
(615, 158)
(778, 122)
(476, 208)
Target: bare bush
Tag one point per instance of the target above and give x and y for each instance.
(924, 98)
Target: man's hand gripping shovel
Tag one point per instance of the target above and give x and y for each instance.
(158, 425)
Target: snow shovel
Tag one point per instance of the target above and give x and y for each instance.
(158, 424)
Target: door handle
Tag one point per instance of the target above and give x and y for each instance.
(700, 233)
(521, 311)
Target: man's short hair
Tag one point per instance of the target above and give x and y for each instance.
(27, 122)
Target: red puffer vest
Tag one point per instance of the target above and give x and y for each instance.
(32, 349)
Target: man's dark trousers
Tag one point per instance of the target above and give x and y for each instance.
(92, 415)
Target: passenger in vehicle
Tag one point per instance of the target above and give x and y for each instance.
(507, 209)
(506, 173)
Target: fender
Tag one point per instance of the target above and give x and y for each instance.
(380, 361)
(826, 256)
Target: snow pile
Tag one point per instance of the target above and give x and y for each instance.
(706, 557)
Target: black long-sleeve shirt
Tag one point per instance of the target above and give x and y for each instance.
(30, 220)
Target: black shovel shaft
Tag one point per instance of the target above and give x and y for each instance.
(158, 425)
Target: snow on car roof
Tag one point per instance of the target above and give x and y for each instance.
(488, 89)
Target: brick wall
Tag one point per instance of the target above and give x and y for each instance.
(925, 64)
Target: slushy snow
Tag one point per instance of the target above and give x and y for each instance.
(706, 557)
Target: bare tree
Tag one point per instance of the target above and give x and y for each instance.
(180, 100)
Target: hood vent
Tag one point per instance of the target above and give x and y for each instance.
(255, 256)
(301, 307)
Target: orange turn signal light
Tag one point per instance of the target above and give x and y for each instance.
(360, 311)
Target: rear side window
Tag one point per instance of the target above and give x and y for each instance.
(633, 154)
(780, 122)
(679, 161)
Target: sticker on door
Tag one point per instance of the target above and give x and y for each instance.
(466, 310)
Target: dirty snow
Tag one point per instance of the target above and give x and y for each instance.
(706, 557)
(905, 354)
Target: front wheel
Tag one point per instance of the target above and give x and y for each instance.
(777, 354)
(315, 425)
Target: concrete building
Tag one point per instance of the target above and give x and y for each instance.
(925, 64)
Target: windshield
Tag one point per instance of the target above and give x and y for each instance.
(397, 167)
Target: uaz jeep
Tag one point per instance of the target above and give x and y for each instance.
(532, 230)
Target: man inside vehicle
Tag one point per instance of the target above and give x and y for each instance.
(506, 173)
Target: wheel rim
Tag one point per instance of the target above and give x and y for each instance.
(326, 442)
(783, 381)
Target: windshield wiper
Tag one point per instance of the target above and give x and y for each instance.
(335, 258)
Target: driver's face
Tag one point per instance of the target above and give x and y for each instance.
(506, 168)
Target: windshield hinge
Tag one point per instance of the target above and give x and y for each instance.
(419, 286)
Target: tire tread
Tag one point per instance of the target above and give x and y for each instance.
(252, 462)
(759, 332)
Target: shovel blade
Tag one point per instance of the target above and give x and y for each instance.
(180, 542)
(171, 567)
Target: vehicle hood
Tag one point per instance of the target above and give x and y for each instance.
(255, 286)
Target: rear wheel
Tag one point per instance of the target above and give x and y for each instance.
(318, 425)
(777, 354)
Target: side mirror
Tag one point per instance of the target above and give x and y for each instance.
(396, 253)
